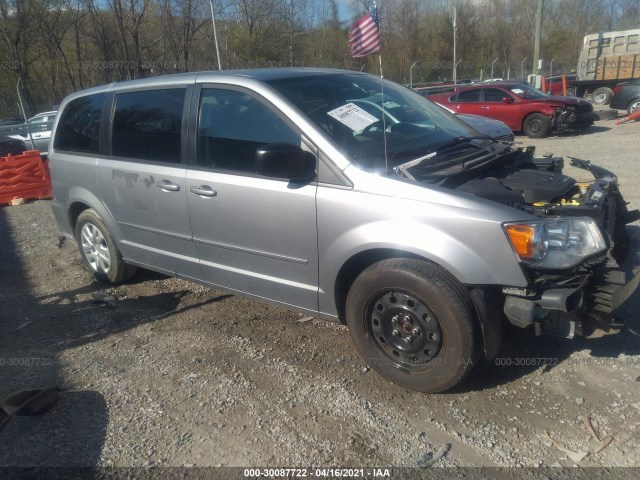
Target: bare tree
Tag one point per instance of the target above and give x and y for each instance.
(129, 17)
(182, 20)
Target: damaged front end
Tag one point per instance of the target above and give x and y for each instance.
(572, 117)
(578, 256)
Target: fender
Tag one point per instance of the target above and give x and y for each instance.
(82, 195)
(470, 260)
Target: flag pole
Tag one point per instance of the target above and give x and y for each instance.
(215, 34)
(384, 121)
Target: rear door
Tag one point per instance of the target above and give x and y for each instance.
(254, 234)
(467, 101)
(142, 180)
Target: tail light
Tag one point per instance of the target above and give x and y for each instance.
(617, 89)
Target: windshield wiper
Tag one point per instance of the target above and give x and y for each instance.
(462, 139)
(453, 142)
(464, 162)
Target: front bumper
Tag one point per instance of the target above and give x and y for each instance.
(584, 304)
(572, 119)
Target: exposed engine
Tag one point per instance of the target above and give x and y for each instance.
(537, 186)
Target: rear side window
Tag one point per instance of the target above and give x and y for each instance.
(147, 125)
(468, 96)
(79, 125)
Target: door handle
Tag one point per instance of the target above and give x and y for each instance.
(203, 190)
(168, 186)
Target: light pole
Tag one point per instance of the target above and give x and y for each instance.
(551, 67)
(215, 35)
(455, 71)
(455, 34)
(522, 67)
(492, 63)
(411, 74)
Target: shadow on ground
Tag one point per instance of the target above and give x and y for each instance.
(34, 330)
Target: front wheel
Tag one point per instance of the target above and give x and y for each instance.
(414, 324)
(536, 125)
(99, 251)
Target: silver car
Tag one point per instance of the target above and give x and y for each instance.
(422, 235)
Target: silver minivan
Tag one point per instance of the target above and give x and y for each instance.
(421, 234)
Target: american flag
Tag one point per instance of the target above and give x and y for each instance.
(364, 37)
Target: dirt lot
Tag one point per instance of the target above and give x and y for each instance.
(174, 374)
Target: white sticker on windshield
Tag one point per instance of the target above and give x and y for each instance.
(353, 116)
(517, 91)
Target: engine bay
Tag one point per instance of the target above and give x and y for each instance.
(537, 185)
(515, 177)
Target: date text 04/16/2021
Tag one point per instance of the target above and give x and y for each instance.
(317, 472)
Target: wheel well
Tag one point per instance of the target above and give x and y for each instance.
(75, 210)
(486, 301)
(355, 266)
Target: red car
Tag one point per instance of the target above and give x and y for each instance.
(554, 84)
(521, 107)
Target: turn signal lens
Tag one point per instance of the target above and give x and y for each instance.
(530, 241)
(522, 239)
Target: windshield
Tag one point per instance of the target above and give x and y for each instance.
(525, 91)
(357, 114)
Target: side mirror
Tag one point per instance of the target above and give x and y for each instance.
(508, 100)
(285, 160)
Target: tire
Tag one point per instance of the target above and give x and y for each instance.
(634, 106)
(414, 324)
(536, 125)
(99, 251)
(601, 96)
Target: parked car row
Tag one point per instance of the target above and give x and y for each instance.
(521, 107)
(35, 133)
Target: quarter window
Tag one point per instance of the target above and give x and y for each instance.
(232, 125)
(79, 125)
(147, 125)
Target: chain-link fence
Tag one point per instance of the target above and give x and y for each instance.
(23, 126)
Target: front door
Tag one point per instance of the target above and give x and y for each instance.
(494, 106)
(254, 234)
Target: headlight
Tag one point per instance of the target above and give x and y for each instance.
(555, 243)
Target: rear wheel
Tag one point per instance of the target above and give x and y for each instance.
(99, 251)
(536, 125)
(602, 95)
(413, 323)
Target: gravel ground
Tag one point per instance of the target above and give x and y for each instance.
(174, 374)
